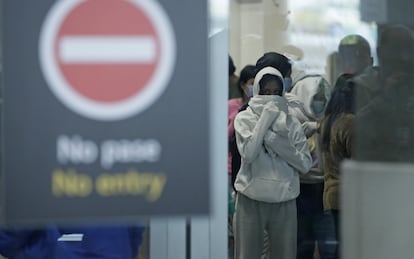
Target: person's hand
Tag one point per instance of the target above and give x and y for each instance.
(271, 108)
(310, 128)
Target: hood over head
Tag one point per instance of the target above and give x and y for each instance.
(306, 89)
(261, 73)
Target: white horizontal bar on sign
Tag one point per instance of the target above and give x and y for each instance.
(71, 238)
(107, 49)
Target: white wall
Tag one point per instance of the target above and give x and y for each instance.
(255, 28)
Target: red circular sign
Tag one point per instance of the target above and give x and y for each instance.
(107, 59)
(111, 79)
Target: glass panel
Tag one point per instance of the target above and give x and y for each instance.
(365, 51)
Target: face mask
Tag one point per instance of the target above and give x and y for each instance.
(287, 83)
(318, 107)
(250, 91)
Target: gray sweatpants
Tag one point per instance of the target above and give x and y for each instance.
(253, 217)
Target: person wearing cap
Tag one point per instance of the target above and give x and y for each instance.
(355, 64)
(274, 152)
(354, 55)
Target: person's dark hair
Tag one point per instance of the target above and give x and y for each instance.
(269, 78)
(247, 73)
(342, 80)
(342, 101)
(232, 67)
(275, 60)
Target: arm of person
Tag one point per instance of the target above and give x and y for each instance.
(310, 128)
(250, 131)
(293, 148)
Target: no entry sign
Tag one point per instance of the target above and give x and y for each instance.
(98, 123)
(107, 59)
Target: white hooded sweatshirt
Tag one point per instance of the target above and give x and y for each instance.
(305, 90)
(273, 147)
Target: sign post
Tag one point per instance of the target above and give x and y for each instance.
(106, 110)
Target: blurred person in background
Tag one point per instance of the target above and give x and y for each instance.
(337, 133)
(245, 87)
(233, 81)
(356, 66)
(385, 125)
(313, 93)
(354, 55)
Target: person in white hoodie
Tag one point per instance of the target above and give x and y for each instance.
(274, 152)
(314, 92)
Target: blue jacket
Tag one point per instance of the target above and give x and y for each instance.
(28, 244)
(115, 242)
